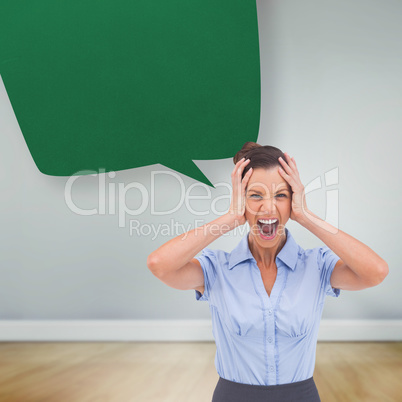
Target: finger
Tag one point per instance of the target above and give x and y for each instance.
(285, 166)
(290, 168)
(241, 162)
(236, 166)
(292, 165)
(290, 161)
(241, 167)
(248, 174)
(246, 178)
(236, 178)
(236, 175)
(287, 177)
(283, 173)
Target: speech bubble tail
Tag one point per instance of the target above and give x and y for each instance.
(189, 169)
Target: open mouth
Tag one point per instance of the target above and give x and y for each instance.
(268, 228)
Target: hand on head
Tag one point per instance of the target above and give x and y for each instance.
(290, 173)
(237, 207)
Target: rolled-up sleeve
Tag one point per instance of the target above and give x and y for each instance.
(208, 263)
(326, 260)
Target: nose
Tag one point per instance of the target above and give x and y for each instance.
(268, 207)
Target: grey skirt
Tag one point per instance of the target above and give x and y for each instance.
(301, 391)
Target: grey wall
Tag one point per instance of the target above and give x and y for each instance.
(331, 97)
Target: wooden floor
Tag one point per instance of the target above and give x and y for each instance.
(178, 372)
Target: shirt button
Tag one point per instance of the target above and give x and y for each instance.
(271, 368)
(270, 312)
(269, 339)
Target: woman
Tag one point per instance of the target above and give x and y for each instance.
(266, 297)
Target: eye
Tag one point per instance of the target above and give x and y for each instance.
(283, 195)
(255, 195)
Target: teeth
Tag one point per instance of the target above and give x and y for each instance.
(269, 221)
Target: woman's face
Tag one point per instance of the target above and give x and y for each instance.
(268, 197)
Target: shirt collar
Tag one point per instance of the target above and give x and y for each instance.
(288, 254)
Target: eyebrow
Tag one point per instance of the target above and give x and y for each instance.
(259, 192)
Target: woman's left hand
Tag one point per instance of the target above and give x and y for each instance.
(290, 173)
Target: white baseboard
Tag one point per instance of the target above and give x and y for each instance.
(360, 330)
(176, 330)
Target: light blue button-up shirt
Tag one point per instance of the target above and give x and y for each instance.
(261, 339)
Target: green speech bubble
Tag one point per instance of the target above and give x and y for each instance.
(118, 84)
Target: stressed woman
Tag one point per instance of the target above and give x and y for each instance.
(266, 296)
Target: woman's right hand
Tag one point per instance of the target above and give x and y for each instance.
(237, 207)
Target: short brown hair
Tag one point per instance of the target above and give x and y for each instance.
(261, 156)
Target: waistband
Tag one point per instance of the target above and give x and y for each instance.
(291, 385)
(300, 391)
